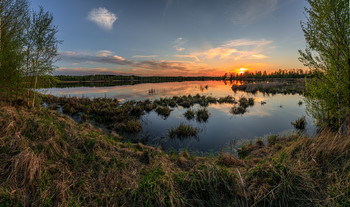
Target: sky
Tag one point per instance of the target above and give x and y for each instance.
(176, 37)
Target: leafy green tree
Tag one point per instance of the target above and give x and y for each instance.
(28, 49)
(41, 48)
(327, 34)
(12, 17)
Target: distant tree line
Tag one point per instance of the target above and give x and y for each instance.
(132, 78)
(262, 75)
(28, 49)
(156, 79)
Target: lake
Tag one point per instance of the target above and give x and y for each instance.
(221, 130)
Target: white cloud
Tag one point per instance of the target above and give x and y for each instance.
(178, 44)
(118, 57)
(145, 56)
(104, 53)
(102, 17)
(258, 56)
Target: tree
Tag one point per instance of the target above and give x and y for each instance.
(327, 34)
(12, 16)
(28, 48)
(41, 47)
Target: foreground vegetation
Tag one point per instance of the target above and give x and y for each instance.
(47, 159)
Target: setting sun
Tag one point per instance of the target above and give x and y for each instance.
(242, 70)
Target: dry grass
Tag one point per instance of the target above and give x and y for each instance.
(272, 87)
(46, 159)
(53, 161)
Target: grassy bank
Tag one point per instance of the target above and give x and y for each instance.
(296, 86)
(46, 159)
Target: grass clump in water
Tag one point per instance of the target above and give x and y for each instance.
(189, 114)
(300, 123)
(202, 115)
(183, 131)
(132, 126)
(227, 99)
(238, 110)
(243, 102)
(163, 111)
(251, 101)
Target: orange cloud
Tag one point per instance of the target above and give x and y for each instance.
(237, 50)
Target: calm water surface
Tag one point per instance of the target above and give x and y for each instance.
(222, 127)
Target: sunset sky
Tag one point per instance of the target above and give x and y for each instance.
(176, 37)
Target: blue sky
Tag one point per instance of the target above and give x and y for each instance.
(176, 37)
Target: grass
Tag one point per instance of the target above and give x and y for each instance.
(202, 115)
(183, 131)
(272, 87)
(238, 110)
(251, 101)
(47, 159)
(163, 111)
(300, 123)
(113, 114)
(132, 126)
(189, 114)
(243, 102)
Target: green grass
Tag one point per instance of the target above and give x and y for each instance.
(189, 114)
(183, 131)
(202, 115)
(300, 123)
(238, 110)
(163, 111)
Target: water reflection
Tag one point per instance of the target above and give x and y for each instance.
(265, 117)
(148, 90)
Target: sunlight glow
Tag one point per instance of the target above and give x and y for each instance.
(242, 70)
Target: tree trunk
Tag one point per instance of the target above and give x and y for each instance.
(27, 77)
(349, 97)
(36, 81)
